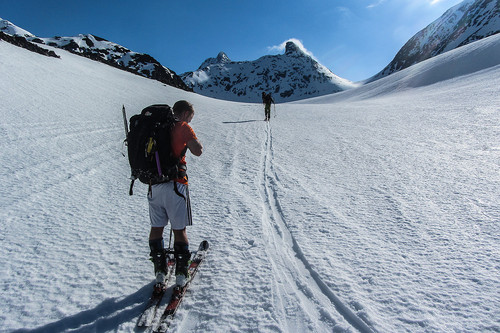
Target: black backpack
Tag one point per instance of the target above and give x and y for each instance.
(149, 146)
(268, 99)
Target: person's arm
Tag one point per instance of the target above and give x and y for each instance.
(195, 147)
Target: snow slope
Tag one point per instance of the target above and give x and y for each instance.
(376, 213)
(453, 64)
(469, 21)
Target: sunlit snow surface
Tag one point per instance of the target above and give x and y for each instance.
(376, 209)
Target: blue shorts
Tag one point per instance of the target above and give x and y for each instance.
(170, 202)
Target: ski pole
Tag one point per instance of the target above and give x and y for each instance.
(170, 238)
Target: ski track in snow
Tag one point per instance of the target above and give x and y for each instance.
(290, 263)
(292, 294)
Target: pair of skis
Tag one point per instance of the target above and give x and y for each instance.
(149, 317)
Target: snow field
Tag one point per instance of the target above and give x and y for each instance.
(411, 191)
(347, 213)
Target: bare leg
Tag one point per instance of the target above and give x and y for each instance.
(156, 233)
(180, 236)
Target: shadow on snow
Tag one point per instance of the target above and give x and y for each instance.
(107, 316)
(241, 122)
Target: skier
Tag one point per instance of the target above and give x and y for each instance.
(170, 201)
(267, 99)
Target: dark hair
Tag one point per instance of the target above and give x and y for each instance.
(181, 106)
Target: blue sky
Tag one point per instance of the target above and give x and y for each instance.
(355, 39)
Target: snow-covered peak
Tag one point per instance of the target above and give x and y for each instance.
(221, 58)
(292, 49)
(11, 29)
(290, 76)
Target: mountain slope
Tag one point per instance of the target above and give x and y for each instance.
(22, 42)
(101, 50)
(462, 24)
(290, 76)
(381, 211)
(463, 61)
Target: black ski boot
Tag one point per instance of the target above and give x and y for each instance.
(159, 259)
(182, 256)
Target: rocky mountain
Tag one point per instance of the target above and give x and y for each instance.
(290, 76)
(462, 24)
(221, 58)
(22, 42)
(99, 49)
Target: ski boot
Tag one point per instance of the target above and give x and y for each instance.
(182, 256)
(159, 259)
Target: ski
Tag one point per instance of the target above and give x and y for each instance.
(147, 317)
(179, 292)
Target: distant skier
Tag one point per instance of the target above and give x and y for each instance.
(267, 99)
(170, 201)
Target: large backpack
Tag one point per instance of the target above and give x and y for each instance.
(149, 146)
(268, 99)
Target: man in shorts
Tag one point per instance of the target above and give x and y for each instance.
(170, 201)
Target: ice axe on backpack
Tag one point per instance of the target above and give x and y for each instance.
(125, 123)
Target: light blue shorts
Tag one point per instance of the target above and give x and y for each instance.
(170, 202)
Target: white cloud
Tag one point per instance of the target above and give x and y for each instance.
(378, 3)
(281, 47)
(344, 11)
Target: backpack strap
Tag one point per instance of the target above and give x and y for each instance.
(178, 192)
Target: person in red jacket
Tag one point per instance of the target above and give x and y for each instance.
(170, 201)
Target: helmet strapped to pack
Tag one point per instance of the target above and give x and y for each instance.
(149, 146)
